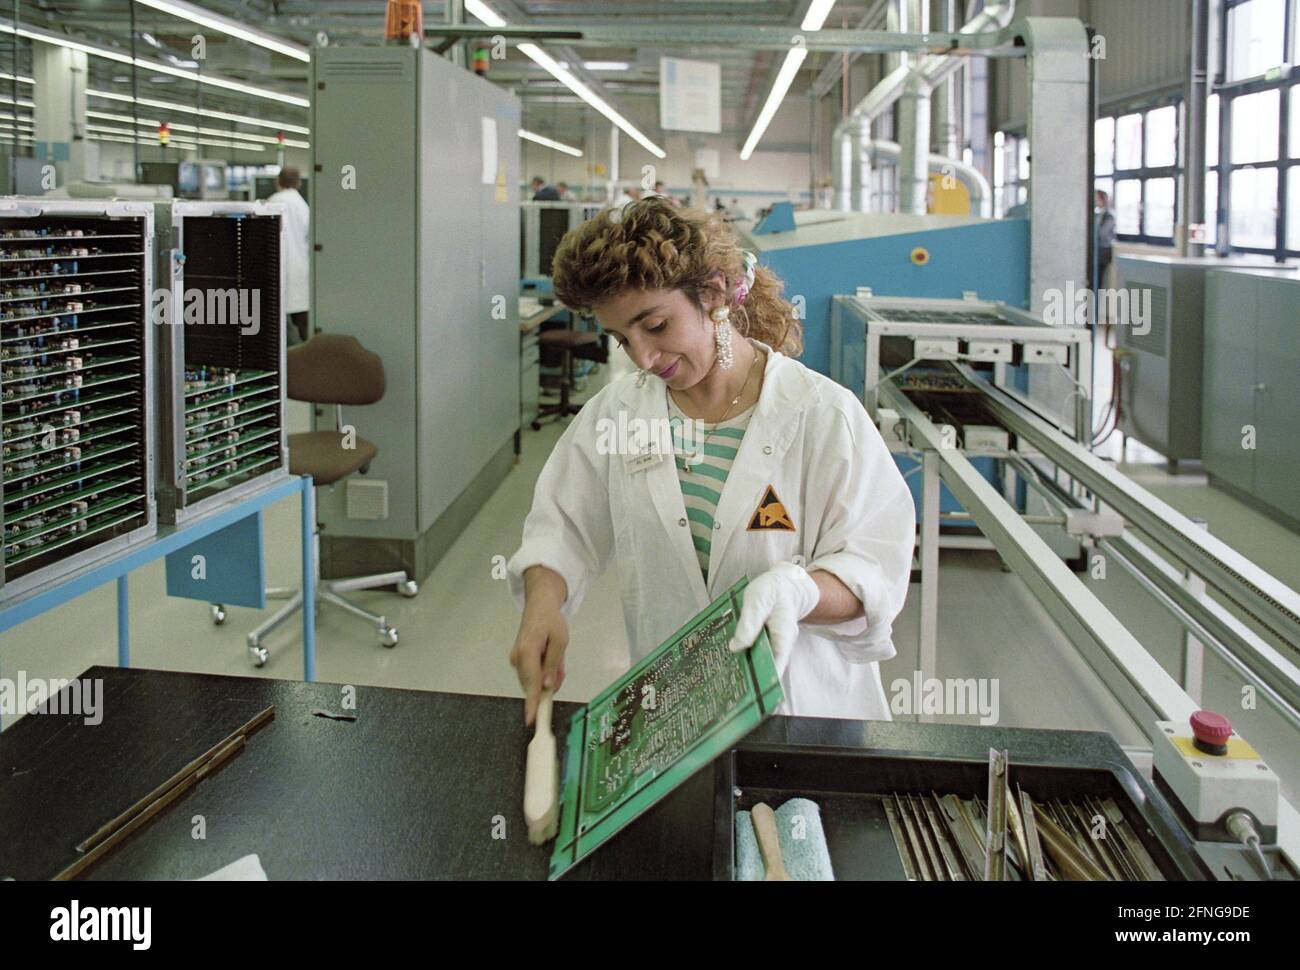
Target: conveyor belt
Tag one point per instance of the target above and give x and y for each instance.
(1268, 601)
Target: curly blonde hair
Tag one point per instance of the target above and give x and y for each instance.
(653, 245)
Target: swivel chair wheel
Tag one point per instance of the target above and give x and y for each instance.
(388, 636)
(256, 652)
(409, 588)
(218, 614)
(537, 426)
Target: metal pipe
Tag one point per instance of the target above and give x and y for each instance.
(1194, 130)
(862, 171)
(981, 194)
(914, 139)
(1238, 666)
(843, 144)
(935, 67)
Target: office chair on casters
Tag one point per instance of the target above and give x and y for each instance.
(332, 369)
(567, 343)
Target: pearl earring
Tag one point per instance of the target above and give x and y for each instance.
(722, 336)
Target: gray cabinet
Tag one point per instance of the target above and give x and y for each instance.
(1251, 387)
(415, 224)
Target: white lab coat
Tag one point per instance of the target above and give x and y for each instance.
(811, 441)
(297, 254)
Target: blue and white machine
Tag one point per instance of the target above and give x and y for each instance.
(830, 253)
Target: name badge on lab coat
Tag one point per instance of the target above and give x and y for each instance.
(648, 458)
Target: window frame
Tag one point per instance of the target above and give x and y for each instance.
(1013, 139)
(1286, 80)
(1144, 172)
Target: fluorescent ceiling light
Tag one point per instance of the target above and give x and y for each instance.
(562, 74)
(181, 145)
(225, 25)
(59, 40)
(242, 136)
(206, 112)
(484, 13)
(547, 62)
(221, 82)
(223, 142)
(817, 13)
(558, 146)
(606, 65)
(793, 58)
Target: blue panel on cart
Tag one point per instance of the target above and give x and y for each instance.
(987, 467)
(225, 567)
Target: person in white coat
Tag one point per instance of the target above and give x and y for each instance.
(297, 242)
(773, 472)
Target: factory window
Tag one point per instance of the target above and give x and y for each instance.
(1256, 37)
(1254, 127)
(1128, 207)
(1136, 160)
(1010, 172)
(1252, 219)
(1158, 208)
(1128, 142)
(1293, 208)
(1260, 126)
(1162, 137)
(1104, 147)
(1211, 208)
(1212, 131)
(1294, 123)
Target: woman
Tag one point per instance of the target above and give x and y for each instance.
(774, 472)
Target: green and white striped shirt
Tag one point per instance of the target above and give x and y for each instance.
(702, 485)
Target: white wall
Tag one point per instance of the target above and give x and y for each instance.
(767, 176)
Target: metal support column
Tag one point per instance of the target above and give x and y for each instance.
(929, 636)
(123, 622)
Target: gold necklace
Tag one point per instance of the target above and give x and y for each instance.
(686, 463)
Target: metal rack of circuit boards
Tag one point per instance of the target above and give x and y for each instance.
(131, 420)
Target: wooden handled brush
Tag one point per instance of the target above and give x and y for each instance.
(769, 842)
(542, 778)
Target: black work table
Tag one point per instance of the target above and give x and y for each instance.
(412, 789)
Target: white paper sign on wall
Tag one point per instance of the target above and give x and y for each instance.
(488, 170)
(690, 95)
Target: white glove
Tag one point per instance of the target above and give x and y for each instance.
(779, 599)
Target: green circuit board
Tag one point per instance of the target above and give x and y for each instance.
(683, 705)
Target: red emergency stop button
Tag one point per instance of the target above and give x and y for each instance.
(1210, 732)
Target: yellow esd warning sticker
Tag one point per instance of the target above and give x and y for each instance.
(770, 516)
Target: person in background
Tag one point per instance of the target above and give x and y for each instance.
(297, 247)
(565, 195)
(543, 192)
(1105, 219)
